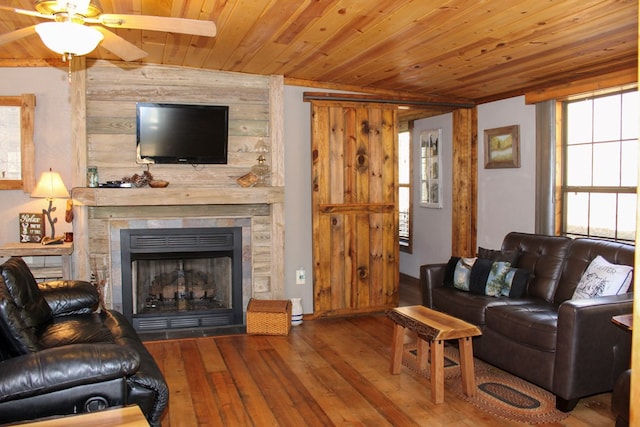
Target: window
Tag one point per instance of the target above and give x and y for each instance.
(600, 164)
(405, 190)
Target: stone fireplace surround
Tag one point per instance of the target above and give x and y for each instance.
(102, 213)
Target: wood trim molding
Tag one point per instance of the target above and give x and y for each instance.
(384, 99)
(465, 186)
(622, 79)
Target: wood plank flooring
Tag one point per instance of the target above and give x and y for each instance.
(329, 372)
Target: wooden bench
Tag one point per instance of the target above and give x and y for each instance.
(433, 328)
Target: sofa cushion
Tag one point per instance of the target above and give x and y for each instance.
(468, 306)
(496, 279)
(23, 309)
(462, 274)
(24, 291)
(580, 255)
(75, 329)
(18, 337)
(515, 282)
(510, 256)
(533, 324)
(486, 277)
(543, 256)
(603, 278)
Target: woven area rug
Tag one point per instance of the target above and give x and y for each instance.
(498, 393)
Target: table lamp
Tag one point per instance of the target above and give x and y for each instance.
(50, 186)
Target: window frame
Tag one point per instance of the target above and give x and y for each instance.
(562, 172)
(406, 244)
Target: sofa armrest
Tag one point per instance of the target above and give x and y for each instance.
(64, 367)
(431, 277)
(70, 296)
(591, 350)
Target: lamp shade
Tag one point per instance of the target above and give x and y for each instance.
(50, 186)
(69, 37)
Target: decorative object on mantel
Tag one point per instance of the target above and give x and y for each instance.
(261, 170)
(247, 180)
(50, 186)
(157, 183)
(146, 178)
(31, 227)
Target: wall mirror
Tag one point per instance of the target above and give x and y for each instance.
(17, 149)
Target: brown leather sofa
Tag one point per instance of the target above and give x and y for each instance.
(569, 347)
(60, 354)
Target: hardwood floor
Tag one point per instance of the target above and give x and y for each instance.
(325, 372)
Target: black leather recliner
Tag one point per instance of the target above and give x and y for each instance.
(61, 354)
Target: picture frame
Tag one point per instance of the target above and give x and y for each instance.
(431, 169)
(502, 147)
(32, 227)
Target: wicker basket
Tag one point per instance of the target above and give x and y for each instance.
(268, 317)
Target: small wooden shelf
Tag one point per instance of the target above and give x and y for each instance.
(35, 249)
(176, 196)
(64, 250)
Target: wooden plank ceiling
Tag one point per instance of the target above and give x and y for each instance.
(457, 49)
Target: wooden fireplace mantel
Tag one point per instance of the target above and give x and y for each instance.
(176, 196)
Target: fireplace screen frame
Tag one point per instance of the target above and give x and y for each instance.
(176, 243)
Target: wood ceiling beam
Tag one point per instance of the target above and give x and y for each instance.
(623, 79)
(385, 99)
(33, 62)
(388, 96)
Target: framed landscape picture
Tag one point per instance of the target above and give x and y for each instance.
(502, 147)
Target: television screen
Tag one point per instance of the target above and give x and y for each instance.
(181, 133)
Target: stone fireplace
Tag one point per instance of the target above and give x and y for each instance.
(175, 278)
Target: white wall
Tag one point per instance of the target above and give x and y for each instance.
(431, 227)
(506, 197)
(297, 201)
(52, 137)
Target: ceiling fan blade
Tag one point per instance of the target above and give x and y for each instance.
(17, 34)
(27, 12)
(119, 46)
(194, 27)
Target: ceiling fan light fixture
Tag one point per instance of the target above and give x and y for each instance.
(69, 37)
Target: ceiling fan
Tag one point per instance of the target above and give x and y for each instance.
(69, 35)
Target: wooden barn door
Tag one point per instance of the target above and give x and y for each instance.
(354, 207)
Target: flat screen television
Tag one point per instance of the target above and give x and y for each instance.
(181, 133)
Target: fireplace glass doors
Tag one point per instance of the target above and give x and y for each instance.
(182, 278)
(181, 284)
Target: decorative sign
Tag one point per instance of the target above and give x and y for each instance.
(31, 227)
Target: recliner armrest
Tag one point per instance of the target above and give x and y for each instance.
(431, 277)
(591, 351)
(64, 367)
(70, 296)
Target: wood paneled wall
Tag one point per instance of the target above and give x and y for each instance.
(112, 90)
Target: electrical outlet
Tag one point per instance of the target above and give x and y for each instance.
(301, 276)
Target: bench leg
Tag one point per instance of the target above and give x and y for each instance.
(397, 345)
(423, 351)
(437, 371)
(466, 366)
